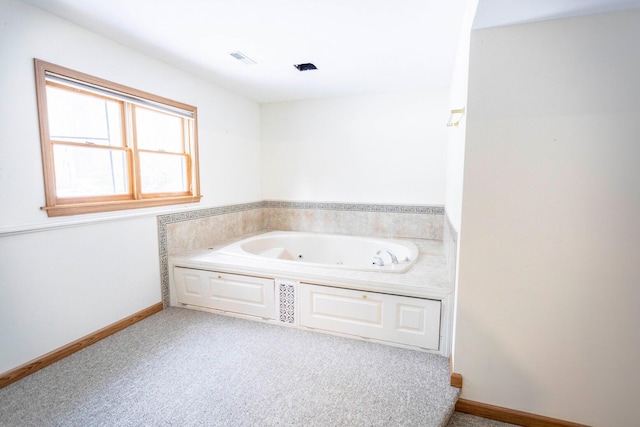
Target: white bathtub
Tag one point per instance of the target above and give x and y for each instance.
(327, 250)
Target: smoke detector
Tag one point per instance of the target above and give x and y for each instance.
(242, 58)
(305, 67)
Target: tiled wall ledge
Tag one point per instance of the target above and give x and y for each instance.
(178, 232)
(450, 243)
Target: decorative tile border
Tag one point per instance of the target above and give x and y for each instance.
(356, 207)
(164, 220)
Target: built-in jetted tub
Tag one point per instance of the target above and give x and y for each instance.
(333, 283)
(328, 250)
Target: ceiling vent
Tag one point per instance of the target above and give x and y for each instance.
(242, 58)
(305, 67)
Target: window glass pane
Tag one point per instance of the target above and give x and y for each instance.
(86, 171)
(79, 117)
(158, 131)
(163, 173)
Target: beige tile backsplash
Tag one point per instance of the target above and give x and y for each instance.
(202, 232)
(210, 230)
(377, 224)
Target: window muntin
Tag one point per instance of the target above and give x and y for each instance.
(109, 147)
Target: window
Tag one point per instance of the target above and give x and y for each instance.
(108, 147)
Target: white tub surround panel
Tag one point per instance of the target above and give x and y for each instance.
(391, 318)
(254, 296)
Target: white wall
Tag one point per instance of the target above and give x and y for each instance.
(57, 285)
(456, 135)
(455, 150)
(549, 285)
(387, 148)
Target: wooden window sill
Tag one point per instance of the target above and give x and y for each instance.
(86, 208)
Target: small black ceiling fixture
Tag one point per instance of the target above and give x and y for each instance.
(305, 67)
